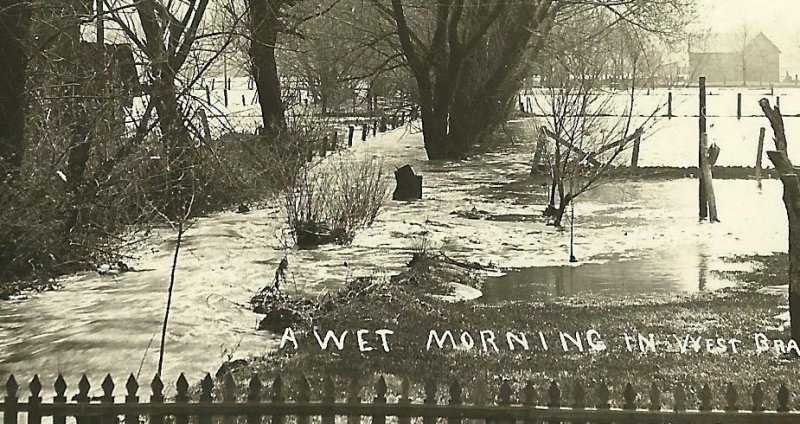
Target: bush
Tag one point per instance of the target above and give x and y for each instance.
(331, 202)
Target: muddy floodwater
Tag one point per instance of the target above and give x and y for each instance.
(630, 237)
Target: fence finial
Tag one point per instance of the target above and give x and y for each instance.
(35, 386)
(228, 387)
(655, 397)
(529, 394)
(430, 391)
(680, 398)
(732, 398)
(705, 398)
(182, 385)
(277, 389)
(603, 396)
(630, 397)
(758, 398)
(254, 389)
(108, 387)
(578, 395)
(380, 390)
(328, 390)
(12, 386)
(132, 386)
(303, 389)
(60, 386)
(456, 393)
(553, 395)
(206, 388)
(504, 396)
(157, 388)
(783, 398)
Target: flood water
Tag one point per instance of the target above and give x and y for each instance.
(630, 237)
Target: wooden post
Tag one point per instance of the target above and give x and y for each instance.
(778, 101)
(759, 154)
(702, 202)
(324, 150)
(635, 154)
(350, 130)
(364, 130)
(738, 105)
(705, 166)
(791, 200)
(669, 105)
(374, 128)
(101, 29)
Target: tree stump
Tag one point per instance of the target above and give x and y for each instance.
(409, 184)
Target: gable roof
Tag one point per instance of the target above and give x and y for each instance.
(731, 42)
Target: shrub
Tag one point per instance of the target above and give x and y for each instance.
(329, 203)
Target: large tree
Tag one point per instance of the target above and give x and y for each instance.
(14, 22)
(468, 58)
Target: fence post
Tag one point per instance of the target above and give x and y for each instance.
(379, 399)
(669, 105)
(206, 390)
(635, 154)
(82, 397)
(350, 130)
(156, 397)
(277, 397)
(10, 409)
(131, 386)
(430, 399)
(364, 130)
(303, 396)
(354, 399)
(504, 395)
(738, 105)
(405, 399)
(34, 401)
(529, 399)
(456, 393)
(108, 398)
(328, 397)
(374, 128)
(324, 150)
(60, 387)
(254, 396)
(702, 203)
(182, 396)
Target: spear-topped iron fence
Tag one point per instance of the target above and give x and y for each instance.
(257, 402)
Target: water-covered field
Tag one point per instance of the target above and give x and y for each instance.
(647, 229)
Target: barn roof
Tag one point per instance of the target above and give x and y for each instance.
(726, 42)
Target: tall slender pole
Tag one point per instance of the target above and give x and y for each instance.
(572, 233)
(101, 30)
(169, 297)
(703, 204)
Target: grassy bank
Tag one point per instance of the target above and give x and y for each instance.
(405, 307)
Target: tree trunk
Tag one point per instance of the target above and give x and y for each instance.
(562, 208)
(14, 22)
(265, 27)
(791, 200)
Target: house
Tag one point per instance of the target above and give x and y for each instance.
(734, 59)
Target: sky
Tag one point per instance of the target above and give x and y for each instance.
(779, 20)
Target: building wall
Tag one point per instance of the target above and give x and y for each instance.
(720, 68)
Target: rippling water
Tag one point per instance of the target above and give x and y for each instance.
(103, 323)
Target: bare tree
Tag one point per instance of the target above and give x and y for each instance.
(467, 57)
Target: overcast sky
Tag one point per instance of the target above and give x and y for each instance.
(777, 19)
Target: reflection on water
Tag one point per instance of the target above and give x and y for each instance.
(670, 271)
